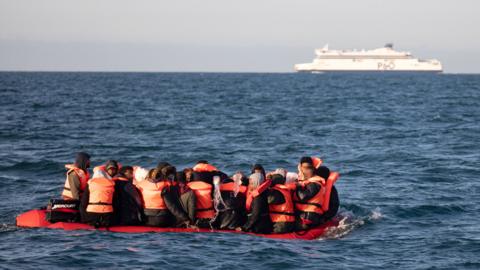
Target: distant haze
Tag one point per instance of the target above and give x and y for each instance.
(228, 36)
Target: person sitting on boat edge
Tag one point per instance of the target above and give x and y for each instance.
(313, 194)
(76, 177)
(280, 203)
(96, 206)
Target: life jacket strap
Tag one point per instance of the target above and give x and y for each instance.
(100, 203)
(282, 213)
(308, 203)
(204, 209)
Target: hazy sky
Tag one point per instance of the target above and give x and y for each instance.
(223, 35)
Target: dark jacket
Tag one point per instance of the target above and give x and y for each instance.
(188, 202)
(276, 197)
(258, 218)
(127, 204)
(171, 197)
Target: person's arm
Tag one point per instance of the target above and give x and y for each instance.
(275, 197)
(254, 215)
(333, 205)
(74, 183)
(134, 193)
(191, 206)
(307, 192)
(84, 204)
(173, 205)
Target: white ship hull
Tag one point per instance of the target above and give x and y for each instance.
(379, 60)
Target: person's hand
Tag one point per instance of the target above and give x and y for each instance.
(238, 229)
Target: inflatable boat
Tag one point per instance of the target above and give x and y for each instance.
(36, 219)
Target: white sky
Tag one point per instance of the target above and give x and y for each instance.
(223, 35)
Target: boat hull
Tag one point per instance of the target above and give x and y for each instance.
(36, 219)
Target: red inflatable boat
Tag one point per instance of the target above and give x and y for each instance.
(36, 219)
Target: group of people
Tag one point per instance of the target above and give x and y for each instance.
(203, 196)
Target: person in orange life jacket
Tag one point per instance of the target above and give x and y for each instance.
(229, 202)
(187, 197)
(160, 204)
(306, 163)
(258, 218)
(96, 206)
(202, 186)
(76, 177)
(309, 193)
(281, 206)
(127, 201)
(203, 171)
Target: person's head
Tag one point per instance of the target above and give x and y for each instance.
(181, 178)
(281, 171)
(277, 179)
(82, 160)
(127, 172)
(168, 173)
(291, 177)
(111, 167)
(188, 174)
(162, 164)
(152, 174)
(323, 172)
(202, 161)
(255, 180)
(257, 168)
(306, 167)
(239, 177)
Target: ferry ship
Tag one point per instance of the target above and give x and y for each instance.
(384, 59)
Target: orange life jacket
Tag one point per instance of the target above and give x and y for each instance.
(320, 202)
(82, 176)
(152, 194)
(231, 187)
(120, 178)
(259, 190)
(284, 212)
(101, 195)
(203, 167)
(103, 168)
(203, 193)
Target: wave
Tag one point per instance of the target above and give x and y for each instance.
(350, 222)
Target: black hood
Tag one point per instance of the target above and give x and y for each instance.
(82, 161)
